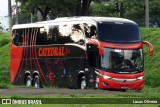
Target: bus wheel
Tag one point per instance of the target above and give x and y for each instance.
(83, 83)
(28, 81)
(36, 82)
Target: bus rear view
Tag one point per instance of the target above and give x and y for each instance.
(121, 55)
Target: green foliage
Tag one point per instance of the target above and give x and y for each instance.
(103, 9)
(152, 64)
(134, 10)
(5, 40)
(30, 6)
(4, 60)
(154, 10)
(53, 8)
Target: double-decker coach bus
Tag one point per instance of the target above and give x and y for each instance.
(78, 52)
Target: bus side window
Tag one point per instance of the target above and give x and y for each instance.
(17, 37)
(41, 39)
(77, 34)
(93, 56)
(93, 32)
(64, 34)
(90, 30)
(53, 35)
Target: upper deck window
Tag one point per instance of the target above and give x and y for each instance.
(17, 37)
(118, 32)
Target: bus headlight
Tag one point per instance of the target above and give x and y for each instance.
(139, 78)
(106, 77)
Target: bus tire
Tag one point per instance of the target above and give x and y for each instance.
(28, 81)
(97, 83)
(83, 83)
(36, 82)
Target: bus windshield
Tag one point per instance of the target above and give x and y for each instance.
(125, 61)
(118, 32)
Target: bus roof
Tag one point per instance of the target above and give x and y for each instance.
(90, 19)
(76, 18)
(31, 25)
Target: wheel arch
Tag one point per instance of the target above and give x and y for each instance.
(35, 73)
(80, 75)
(27, 73)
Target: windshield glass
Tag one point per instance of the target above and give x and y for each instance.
(118, 32)
(122, 60)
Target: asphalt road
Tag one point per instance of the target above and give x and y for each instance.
(55, 91)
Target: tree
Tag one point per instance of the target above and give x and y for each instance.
(53, 8)
(56, 8)
(1, 29)
(154, 13)
(83, 6)
(134, 10)
(103, 9)
(43, 6)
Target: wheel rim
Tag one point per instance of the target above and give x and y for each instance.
(83, 84)
(96, 83)
(36, 83)
(28, 83)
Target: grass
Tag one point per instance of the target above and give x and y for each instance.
(152, 64)
(4, 60)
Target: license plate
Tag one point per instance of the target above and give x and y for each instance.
(124, 87)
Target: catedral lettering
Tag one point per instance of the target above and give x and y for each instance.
(79, 52)
(54, 51)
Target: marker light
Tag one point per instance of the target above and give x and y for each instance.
(139, 78)
(106, 77)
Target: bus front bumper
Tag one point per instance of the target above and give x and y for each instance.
(112, 84)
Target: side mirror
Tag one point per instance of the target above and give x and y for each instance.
(150, 46)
